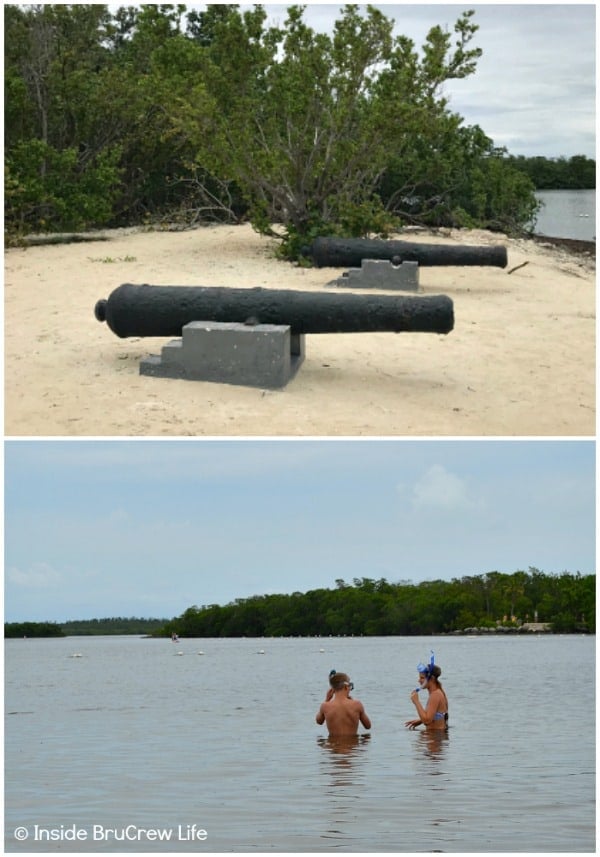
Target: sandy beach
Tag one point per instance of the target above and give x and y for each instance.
(519, 362)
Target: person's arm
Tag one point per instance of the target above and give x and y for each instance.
(320, 718)
(364, 717)
(412, 724)
(426, 715)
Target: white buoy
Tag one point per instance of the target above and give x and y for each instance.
(260, 652)
(200, 652)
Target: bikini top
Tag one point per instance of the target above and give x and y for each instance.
(440, 715)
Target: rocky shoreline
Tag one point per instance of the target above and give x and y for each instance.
(526, 628)
(573, 245)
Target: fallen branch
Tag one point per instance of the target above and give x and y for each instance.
(516, 268)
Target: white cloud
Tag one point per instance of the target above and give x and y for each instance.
(440, 489)
(40, 575)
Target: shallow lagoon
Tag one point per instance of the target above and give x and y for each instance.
(142, 738)
(567, 214)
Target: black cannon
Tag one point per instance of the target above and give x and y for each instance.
(144, 310)
(349, 253)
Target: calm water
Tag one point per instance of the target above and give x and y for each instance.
(567, 214)
(134, 737)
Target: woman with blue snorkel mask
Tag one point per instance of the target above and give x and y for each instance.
(435, 716)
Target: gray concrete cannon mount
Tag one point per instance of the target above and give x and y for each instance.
(381, 274)
(255, 337)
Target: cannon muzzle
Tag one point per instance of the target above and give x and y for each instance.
(144, 310)
(349, 253)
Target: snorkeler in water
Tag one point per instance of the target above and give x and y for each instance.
(435, 715)
(340, 712)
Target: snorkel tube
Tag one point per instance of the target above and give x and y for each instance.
(426, 670)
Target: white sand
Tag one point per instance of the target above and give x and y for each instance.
(520, 360)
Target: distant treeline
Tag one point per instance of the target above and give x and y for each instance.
(576, 173)
(377, 608)
(33, 629)
(84, 627)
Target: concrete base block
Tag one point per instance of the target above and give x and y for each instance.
(261, 355)
(381, 274)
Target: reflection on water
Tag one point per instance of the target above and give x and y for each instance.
(432, 763)
(344, 744)
(341, 763)
(343, 749)
(432, 744)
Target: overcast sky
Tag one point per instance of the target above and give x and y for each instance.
(149, 528)
(534, 88)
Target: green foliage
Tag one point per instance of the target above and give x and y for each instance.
(116, 117)
(84, 627)
(113, 625)
(44, 186)
(87, 116)
(376, 607)
(500, 198)
(32, 629)
(305, 123)
(458, 178)
(576, 173)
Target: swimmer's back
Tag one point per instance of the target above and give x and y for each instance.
(342, 716)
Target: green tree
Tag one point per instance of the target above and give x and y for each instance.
(304, 122)
(88, 98)
(55, 59)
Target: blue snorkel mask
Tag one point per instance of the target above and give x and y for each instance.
(426, 670)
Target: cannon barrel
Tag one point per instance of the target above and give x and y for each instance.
(144, 310)
(349, 253)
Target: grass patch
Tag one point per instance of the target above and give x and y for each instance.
(110, 260)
